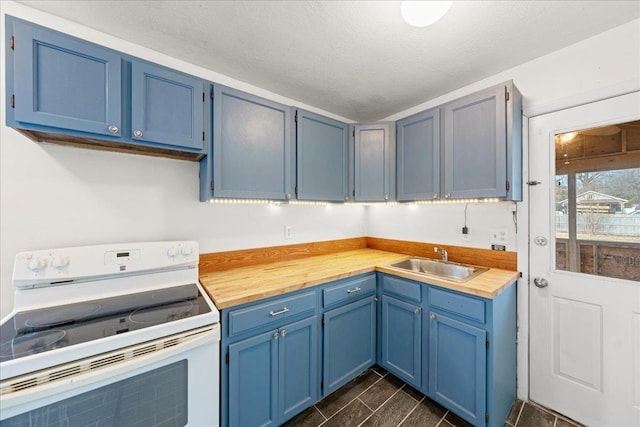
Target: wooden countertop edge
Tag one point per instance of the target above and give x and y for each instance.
(505, 277)
(472, 287)
(228, 303)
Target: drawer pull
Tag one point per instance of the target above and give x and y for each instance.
(354, 290)
(283, 311)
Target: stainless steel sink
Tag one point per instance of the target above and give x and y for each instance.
(444, 269)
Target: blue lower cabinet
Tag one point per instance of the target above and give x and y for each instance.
(349, 337)
(273, 376)
(253, 381)
(298, 367)
(401, 348)
(457, 367)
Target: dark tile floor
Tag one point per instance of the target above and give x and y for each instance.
(377, 398)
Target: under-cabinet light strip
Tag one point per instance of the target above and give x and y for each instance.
(320, 203)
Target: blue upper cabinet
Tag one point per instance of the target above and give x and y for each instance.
(66, 83)
(418, 156)
(167, 106)
(482, 145)
(374, 162)
(66, 90)
(252, 149)
(322, 158)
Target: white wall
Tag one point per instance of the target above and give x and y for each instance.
(442, 223)
(54, 196)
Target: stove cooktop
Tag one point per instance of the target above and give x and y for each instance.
(38, 331)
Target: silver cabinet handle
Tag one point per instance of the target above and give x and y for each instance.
(386, 197)
(137, 133)
(114, 129)
(288, 196)
(416, 311)
(447, 196)
(354, 290)
(276, 335)
(432, 316)
(283, 333)
(283, 311)
(435, 196)
(375, 298)
(541, 282)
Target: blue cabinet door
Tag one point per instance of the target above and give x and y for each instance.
(298, 367)
(66, 83)
(374, 167)
(475, 145)
(252, 150)
(167, 107)
(322, 158)
(418, 156)
(349, 342)
(401, 339)
(253, 381)
(457, 367)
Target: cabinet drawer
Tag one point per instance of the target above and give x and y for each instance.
(349, 291)
(459, 304)
(404, 288)
(244, 319)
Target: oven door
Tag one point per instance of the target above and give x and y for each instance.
(173, 381)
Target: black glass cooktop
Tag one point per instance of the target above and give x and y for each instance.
(37, 331)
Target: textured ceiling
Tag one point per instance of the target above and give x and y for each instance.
(357, 59)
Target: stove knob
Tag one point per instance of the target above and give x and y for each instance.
(60, 261)
(37, 264)
(187, 250)
(173, 252)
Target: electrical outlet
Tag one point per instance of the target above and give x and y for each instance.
(499, 236)
(288, 231)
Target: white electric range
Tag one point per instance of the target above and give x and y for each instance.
(118, 334)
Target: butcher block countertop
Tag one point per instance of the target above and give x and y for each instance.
(237, 286)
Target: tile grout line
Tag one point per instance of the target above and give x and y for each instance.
(320, 412)
(442, 419)
(381, 405)
(411, 411)
(519, 413)
(351, 401)
(368, 407)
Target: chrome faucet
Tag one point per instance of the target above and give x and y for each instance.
(443, 253)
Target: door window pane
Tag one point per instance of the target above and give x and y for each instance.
(597, 196)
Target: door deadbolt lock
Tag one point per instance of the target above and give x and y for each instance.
(540, 241)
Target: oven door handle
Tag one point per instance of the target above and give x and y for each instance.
(84, 381)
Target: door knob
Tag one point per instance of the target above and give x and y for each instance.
(541, 282)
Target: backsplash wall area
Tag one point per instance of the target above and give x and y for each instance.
(54, 196)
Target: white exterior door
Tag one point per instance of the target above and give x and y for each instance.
(584, 327)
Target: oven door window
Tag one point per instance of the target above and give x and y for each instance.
(154, 398)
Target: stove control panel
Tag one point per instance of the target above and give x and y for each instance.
(58, 266)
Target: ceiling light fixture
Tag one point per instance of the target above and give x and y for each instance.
(423, 13)
(566, 137)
